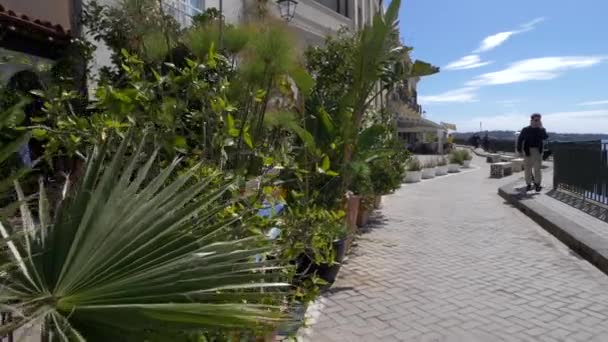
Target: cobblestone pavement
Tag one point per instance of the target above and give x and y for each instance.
(449, 261)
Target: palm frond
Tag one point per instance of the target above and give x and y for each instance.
(132, 256)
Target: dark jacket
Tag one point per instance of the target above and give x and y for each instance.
(531, 137)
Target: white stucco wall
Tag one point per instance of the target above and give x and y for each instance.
(233, 9)
(21, 61)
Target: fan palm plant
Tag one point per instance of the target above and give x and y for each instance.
(10, 117)
(131, 256)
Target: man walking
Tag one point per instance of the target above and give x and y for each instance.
(530, 143)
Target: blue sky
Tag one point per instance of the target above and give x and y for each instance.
(503, 60)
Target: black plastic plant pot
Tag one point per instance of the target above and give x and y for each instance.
(328, 272)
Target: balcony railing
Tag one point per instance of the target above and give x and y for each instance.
(582, 168)
(183, 10)
(318, 19)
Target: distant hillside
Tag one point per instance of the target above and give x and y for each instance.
(510, 135)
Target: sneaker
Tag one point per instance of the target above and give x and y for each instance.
(538, 188)
(529, 187)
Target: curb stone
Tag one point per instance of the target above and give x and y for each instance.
(585, 243)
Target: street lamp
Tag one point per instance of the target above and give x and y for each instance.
(287, 8)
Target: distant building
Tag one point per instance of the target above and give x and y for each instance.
(312, 22)
(412, 125)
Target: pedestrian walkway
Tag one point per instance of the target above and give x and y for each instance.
(449, 261)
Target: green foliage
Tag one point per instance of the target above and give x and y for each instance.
(269, 54)
(308, 232)
(131, 256)
(332, 67)
(138, 26)
(459, 156)
(10, 142)
(414, 164)
(429, 164)
(230, 106)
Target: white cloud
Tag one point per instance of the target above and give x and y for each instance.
(590, 121)
(544, 68)
(494, 41)
(474, 61)
(498, 39)
(461, 95)
(531, 24)
(467, 62)
(593, 103)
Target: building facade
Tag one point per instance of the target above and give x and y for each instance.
(313, 19)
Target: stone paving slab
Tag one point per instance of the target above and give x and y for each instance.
(448, 260)
(583, 233)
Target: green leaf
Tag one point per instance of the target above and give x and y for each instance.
(38, 93)
(229, 121)
(325, 164)
(303, 79)
(260, 95)
(247, 139)
(180, 142)
(420, 68)
(39, 133)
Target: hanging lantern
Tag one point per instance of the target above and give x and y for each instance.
(287, 8)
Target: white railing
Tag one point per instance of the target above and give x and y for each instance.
(183, 10)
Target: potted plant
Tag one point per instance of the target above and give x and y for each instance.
(429, 169)
(352, 204)
(442, 166)
(329, 271)
(316, 238)
(365, 208)
(466, 158)
(386, 176)
(456, 162)
(414, 171)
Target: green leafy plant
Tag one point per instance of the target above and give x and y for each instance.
(466, 154)
(429, 164)
(10, 142)
(367, 202)
(132, 256)
(307, 235)
(414, 164)
(459, 156)
(456, 158)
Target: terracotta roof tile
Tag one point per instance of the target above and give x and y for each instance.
(54, 31)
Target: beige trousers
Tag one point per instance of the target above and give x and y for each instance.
(533, 163)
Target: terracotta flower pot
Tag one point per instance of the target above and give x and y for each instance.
(352, 211)
(363, 216)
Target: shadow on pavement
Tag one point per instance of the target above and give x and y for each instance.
(578, 202)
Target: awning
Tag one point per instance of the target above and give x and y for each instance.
(418, 125)
(449, 126)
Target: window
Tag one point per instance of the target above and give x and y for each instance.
(198, 4)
